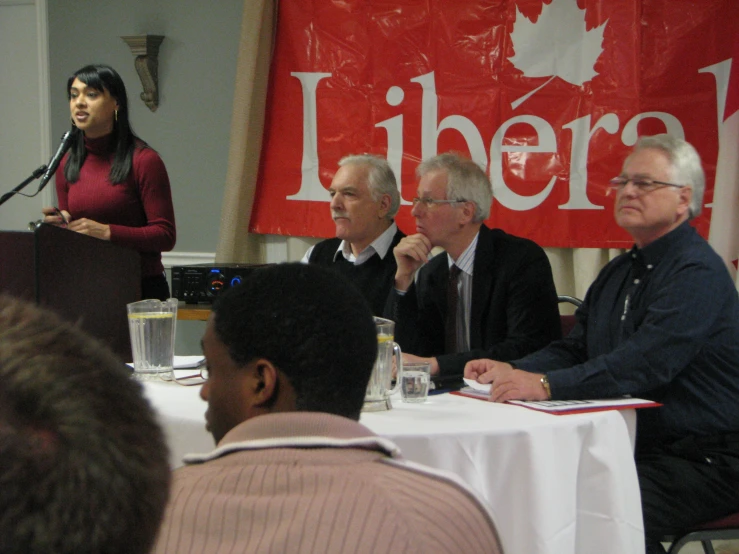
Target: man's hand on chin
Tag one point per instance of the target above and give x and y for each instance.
(410, 254)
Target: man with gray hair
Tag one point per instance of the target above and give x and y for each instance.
(492, 294)
(364, 201)
(660, 322)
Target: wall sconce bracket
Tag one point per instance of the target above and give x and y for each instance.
(145, 49)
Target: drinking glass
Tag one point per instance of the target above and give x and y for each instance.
(414, 381)
(151, 324)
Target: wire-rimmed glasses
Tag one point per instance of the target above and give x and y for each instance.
(194, 378)
(642, 184)
(430, 203)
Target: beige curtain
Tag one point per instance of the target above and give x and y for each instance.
(574, 269)
(235, 244)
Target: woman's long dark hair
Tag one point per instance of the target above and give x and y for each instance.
(103, 77)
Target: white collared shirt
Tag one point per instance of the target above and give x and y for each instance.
(381, 246)
(465, 263)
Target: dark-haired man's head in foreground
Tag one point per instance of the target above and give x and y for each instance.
(83, 463)
(290, 352)
(291, 337)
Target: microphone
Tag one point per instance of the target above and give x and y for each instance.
(54, 163)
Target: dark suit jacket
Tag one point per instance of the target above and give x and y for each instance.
(514, 304)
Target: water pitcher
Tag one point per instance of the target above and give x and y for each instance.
(380, 386)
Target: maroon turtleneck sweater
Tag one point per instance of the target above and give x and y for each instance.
(139, 211)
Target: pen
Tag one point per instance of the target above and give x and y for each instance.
(58, 212)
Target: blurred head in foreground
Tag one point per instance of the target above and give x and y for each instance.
(83, 463)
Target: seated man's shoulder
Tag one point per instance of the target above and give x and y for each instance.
(700, 258)
(324, 251)
(513, 243)
(698, 250)
(439, 497)
(413, 480)
(391, 482)
(504, 250)
(197, 475)
(372, 490)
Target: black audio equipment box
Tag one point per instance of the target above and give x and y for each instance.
(202, 283)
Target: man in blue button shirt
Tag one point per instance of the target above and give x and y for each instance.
(660, 322)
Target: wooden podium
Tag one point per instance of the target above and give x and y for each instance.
(83, 279)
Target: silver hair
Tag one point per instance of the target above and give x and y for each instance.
(465, 181)
(381, 179)
(685, 162)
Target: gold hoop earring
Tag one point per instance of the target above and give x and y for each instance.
(116, 115)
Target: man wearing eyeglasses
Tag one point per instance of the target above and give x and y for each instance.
(659, 322)
(364, 201)
(492, 294)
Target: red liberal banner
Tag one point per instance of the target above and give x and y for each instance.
(548, 96)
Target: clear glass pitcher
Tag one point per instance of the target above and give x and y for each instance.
(380, 386)
(152, 324)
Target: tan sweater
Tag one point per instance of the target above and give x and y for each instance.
(310, 482)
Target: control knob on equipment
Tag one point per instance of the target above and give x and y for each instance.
(216, 280)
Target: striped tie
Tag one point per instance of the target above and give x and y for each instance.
(452, 298)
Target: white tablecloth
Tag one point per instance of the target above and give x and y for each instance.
(556, 484)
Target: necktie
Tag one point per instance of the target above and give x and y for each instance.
(452, 299)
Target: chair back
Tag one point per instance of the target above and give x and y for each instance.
(724, 529)
(567, 322)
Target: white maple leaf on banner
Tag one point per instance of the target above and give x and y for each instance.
(557, 45)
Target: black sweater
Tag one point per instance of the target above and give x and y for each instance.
(374, 278)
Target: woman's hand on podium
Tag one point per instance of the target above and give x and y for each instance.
(90, 227)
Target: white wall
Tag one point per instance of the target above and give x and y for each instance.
(24, 142)
(190, 129)
(197, 69)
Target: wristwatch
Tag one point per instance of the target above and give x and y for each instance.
(545, 384)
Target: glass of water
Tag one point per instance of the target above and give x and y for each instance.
(414, 381)
(152, 327)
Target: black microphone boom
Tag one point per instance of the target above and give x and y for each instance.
(54, 163)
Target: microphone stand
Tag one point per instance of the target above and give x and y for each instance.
(35, 175)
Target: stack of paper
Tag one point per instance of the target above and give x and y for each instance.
(561, 407)
(188, 362)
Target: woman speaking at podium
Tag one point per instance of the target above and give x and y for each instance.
(111, 185)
